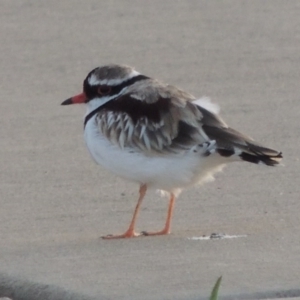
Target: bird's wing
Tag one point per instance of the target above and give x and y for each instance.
(156, 118)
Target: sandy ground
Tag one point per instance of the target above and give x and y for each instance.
(56, 203)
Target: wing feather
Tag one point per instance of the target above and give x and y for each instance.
(164, 121)
(159, 119)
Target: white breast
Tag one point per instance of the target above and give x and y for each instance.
(168, 172)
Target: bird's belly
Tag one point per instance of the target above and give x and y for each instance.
(166, 172)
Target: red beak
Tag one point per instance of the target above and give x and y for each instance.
(81, 98)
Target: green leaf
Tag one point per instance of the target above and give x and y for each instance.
(215, 291)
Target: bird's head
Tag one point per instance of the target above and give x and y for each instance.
(104, 84)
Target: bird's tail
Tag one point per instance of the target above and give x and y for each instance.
(258, 154)
(231, 143)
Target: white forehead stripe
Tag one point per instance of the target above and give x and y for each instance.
(93, 80)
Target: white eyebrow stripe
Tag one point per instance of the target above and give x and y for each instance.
(93, 80)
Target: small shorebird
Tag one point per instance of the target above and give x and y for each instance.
(158, 135)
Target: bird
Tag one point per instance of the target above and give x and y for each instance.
(158, 136)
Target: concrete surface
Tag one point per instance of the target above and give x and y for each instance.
(20, 289)
(56, 203)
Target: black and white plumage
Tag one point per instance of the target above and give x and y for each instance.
(158, 135)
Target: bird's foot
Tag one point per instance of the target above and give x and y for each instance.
(127, 234)
(165, 231)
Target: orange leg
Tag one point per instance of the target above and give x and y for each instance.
(166, 229)
(130, 231)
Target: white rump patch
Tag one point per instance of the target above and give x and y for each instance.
(206, 103)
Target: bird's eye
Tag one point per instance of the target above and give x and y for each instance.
(103, 90)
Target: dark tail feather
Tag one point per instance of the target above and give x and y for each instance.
(258, 154)
(265, 159)
(231, 143)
